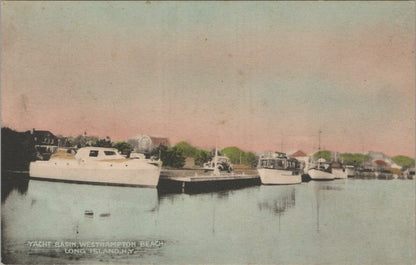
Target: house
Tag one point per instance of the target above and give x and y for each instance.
(375, 164)
(380, 163)
(380, 160)
(158, 141)
(147, 143)
(302, 157)
(45, 141)
(296, 154)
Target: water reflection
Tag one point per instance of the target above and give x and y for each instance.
(279, 202)
(338, 184)
(172, 196)
(259, 224)
(13, 181)
(319, 189)
(55, 211)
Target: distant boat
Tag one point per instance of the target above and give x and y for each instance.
(321, 171)
(339, 171)
(97, 165)
(350, 171)
(279, 170)
(218, 164)
(410, 173)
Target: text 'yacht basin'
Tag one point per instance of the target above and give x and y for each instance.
(97, 165)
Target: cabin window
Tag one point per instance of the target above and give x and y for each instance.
(109, 153)
(94, 153)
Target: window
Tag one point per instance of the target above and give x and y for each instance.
(94, 153)
(109, 153)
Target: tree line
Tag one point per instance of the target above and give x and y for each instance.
(18, 150)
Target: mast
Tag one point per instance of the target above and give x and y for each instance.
(319, 148)
(216, 171)
(319, 140)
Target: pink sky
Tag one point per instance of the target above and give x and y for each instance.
(260, 76)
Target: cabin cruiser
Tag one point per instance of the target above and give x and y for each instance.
(97, 165)
(350, 171)
(339, 171)
(322, 170)
(277, 169)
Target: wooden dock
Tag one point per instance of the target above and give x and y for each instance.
(195, 181)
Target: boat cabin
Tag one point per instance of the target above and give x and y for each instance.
(279, 161)
(223, 164)
(323, 166)
(98, 153)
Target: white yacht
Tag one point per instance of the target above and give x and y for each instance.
(277, 169)
(97, 165)
(321, 171)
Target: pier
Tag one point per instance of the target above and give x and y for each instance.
(197, 181)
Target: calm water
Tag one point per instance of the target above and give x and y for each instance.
(336, 222)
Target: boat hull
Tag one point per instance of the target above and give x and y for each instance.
(278, 177)
(320, 175)
(350, 172)
(339, 173)
(130, 173)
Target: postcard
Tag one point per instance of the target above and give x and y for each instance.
(193, 132)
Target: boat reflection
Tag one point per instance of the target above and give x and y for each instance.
(278, 200)
(172, 196)
(319, 190)
(73, 211)
(165, 195)
(66, 212)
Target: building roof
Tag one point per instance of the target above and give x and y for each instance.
(160, 140)
(298, 153)
(336, 165)
(380, 163)
(43, 133)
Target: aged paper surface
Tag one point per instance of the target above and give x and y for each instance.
(181, 79)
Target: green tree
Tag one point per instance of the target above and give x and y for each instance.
(250, 159)
(323, 154)
(354, 159)
(234, 154)
(201, 157)
(103, 143)
(237, 156)
(171, 157)
(404, 161)
(17, 149)
(187, 149)
(123, 147)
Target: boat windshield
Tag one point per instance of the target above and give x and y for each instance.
(93, 153)
(277, 163)
(97, 154)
